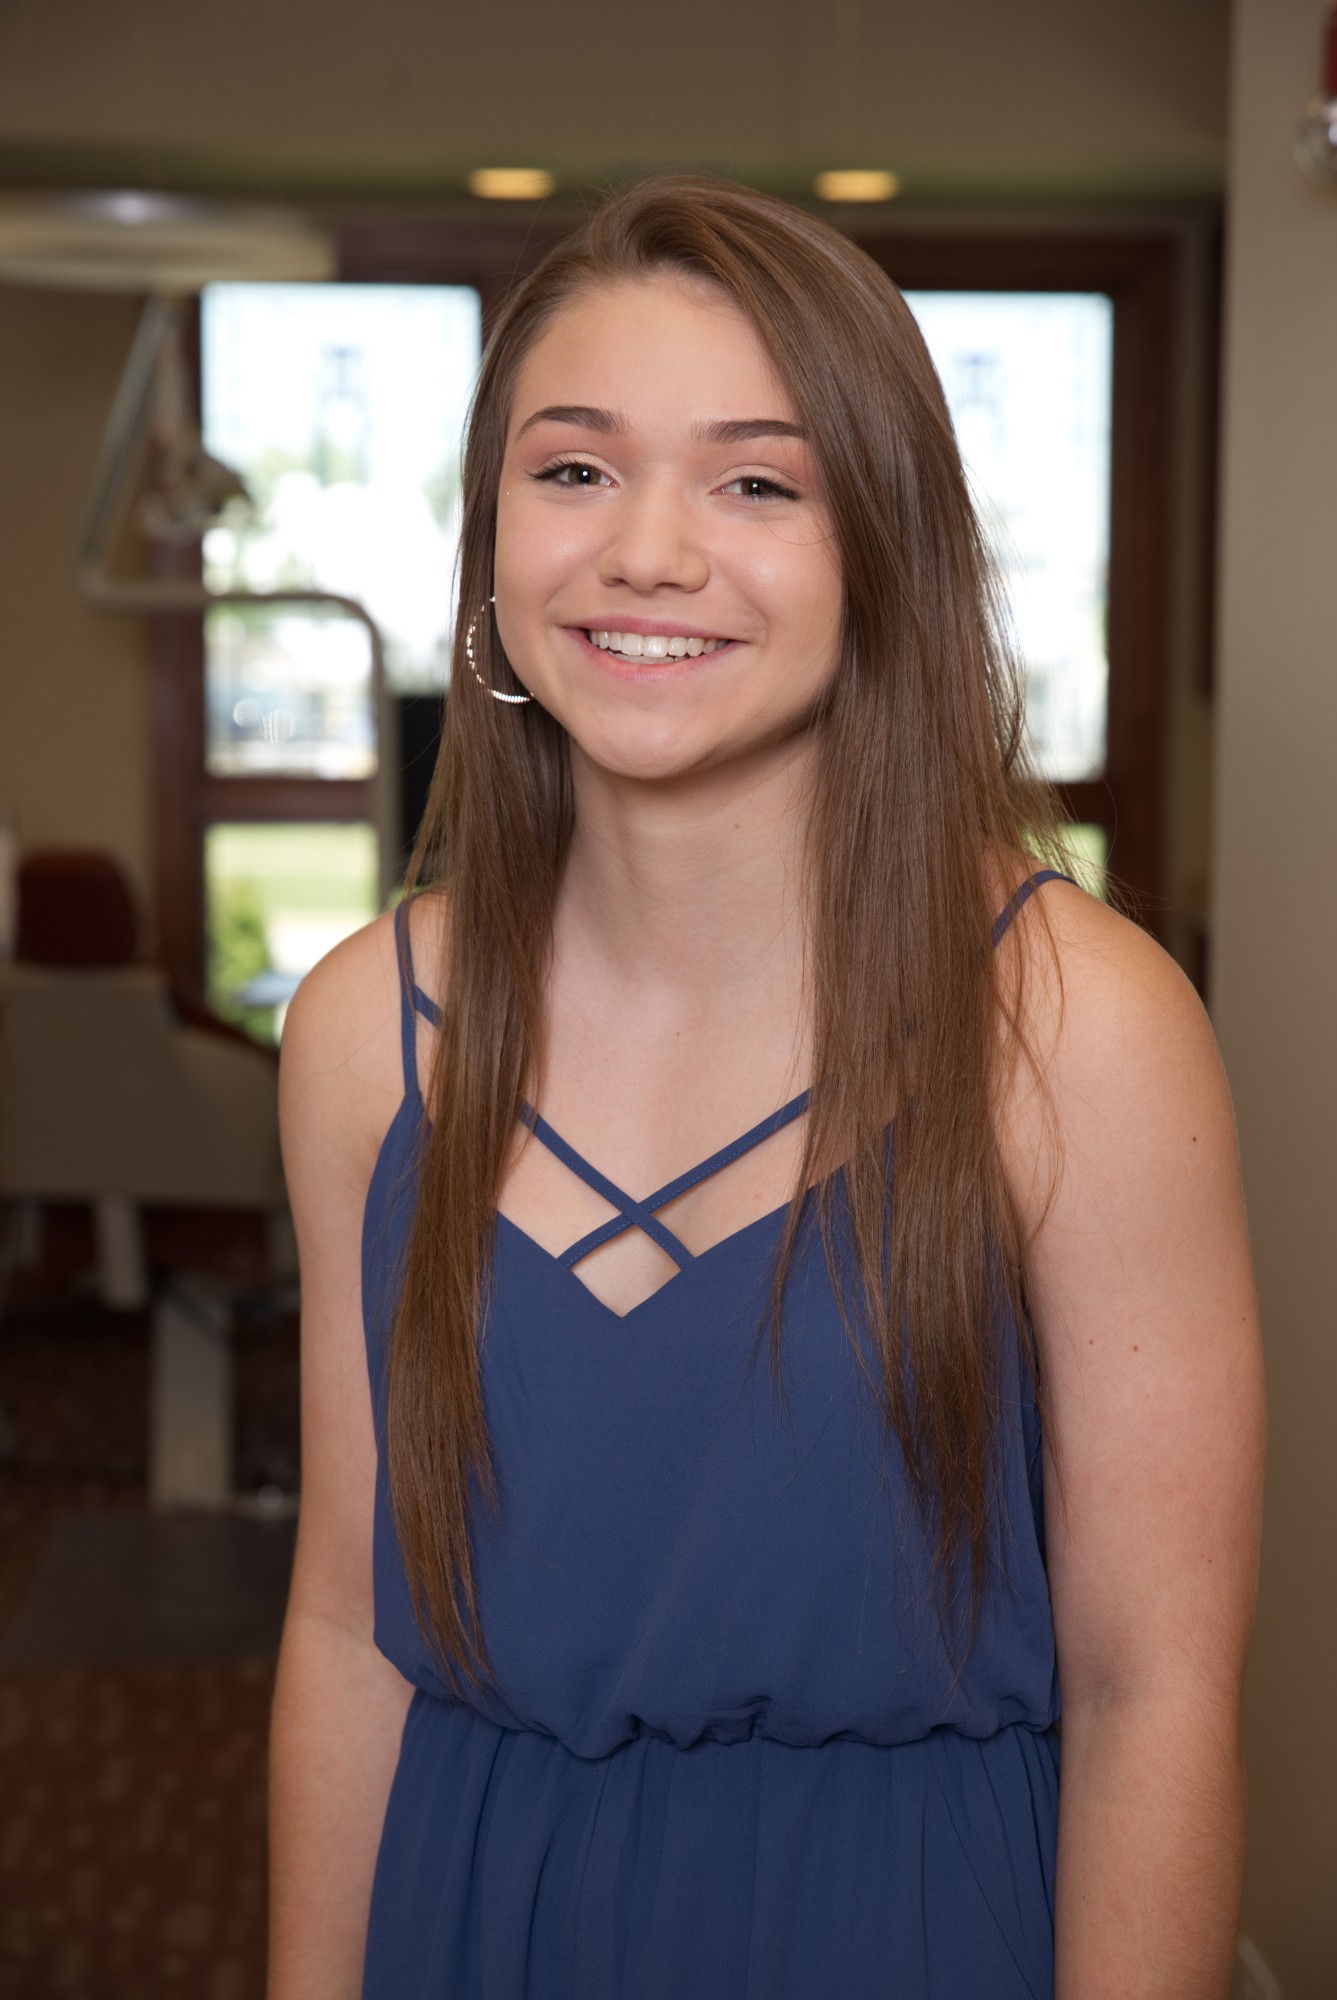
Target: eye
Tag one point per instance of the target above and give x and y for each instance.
(754, 487)
(572, 472)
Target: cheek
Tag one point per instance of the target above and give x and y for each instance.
(530, 559)
(540, 545)
(512, 573)
(807, 595)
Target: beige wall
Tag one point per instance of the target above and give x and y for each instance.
(1275, 982)
(73, 736)
(1063, 95)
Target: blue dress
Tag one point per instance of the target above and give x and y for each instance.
(725, 1754)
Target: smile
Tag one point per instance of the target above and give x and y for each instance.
(653, 645)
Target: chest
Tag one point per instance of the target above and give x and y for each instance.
(696, 1176)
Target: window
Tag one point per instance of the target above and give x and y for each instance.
(342, 407)
(1054, 357)
(279, 896)
(1028, 379)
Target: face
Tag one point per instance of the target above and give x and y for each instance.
(667, 581)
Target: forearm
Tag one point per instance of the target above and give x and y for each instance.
(1151, 1844)
(339, 1710)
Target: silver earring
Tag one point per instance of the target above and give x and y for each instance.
(495, 693)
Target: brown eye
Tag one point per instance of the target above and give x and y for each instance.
(572, 473)
(751, 486)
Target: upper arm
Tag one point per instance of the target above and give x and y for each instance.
(1138, 1278)
(339, 1084)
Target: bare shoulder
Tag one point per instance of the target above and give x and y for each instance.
(340, 1071)
(1093, 968)
(342, 1068)
(1124, 1073)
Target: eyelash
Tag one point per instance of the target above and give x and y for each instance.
(775, 491)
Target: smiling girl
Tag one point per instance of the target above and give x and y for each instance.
(777, 1321)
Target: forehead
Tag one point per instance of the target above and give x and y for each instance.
(668, 348)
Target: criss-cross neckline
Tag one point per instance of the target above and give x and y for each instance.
(633, 1213)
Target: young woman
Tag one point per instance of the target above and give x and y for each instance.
(698, 1530)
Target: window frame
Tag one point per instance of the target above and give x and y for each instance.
(1136, 271)
(186, 798)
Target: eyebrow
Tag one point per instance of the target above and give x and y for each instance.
(582, 415)
(739, 430)
(610, 423)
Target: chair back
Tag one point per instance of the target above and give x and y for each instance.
(104, 1093)
(75, 908)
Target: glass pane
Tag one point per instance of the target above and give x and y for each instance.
(1028, 379)
(1086, 855)
(342, 406)
(277, 898)
(288, 690)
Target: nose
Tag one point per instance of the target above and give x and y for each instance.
(655, 541)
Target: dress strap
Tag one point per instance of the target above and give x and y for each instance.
(632, 1214)
(1002, 922)
(661, 1198)
(412, 1001)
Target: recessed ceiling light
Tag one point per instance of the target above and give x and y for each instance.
(857, 184)
(511, 183)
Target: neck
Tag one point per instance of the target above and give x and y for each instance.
(690, 886)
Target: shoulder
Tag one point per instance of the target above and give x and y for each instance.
(1107, 1007)
(1121, 1084)
(340, 1066)
(341, 1072)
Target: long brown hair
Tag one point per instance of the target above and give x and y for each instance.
(922, 806)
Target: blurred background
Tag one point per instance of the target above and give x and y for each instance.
(248, 257)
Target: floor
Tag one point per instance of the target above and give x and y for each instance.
(136, 1668)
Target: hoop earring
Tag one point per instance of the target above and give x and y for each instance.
(495, 693)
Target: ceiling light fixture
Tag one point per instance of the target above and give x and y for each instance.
(857, 184)
(126, 240)
(511, 183)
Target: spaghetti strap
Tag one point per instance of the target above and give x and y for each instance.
(408, 1026)
(1002, 922)
(632, 1213)
(412, 1000)
(616, 1225)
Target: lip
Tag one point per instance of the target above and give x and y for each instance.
(620, 668)
(670, 627)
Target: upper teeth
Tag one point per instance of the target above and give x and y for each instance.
(652, 645)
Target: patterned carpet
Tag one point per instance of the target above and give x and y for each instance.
(132, 1856)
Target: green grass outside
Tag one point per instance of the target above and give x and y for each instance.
(1087, 851)
(315, 869)
(257, 876)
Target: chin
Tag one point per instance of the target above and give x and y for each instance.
(646, 749)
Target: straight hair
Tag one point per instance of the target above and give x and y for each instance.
(923, 803)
